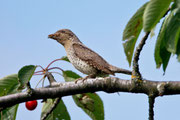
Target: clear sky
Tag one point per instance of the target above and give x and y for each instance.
(25, 25)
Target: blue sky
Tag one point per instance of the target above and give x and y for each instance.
(25, 26)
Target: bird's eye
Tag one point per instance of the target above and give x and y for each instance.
(63, 31)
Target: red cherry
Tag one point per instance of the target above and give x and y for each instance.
(31, 105)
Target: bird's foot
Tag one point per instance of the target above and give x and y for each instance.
(85, 78)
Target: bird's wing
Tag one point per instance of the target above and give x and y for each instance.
(91, 58)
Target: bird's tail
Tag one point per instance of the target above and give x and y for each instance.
(115, 69)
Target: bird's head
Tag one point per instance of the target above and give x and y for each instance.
(62, 36)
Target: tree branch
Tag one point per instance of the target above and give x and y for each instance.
(138, 50)
(108, 84)
(50, 78)
(135, 72)
(55, 103)
(151, 107)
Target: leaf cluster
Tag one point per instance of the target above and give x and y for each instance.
(146, 18)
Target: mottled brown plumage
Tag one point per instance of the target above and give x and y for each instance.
(91, 58)
(84, 59)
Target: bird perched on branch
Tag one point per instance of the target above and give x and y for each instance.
(84, 59)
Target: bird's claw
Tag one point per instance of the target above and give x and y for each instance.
(85, 78)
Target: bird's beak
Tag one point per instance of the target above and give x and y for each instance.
(51, 36)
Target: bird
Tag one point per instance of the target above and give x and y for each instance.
(83, 58)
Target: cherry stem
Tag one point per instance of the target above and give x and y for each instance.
(38, 74)
(40, 81)
(40, 67)
(52, 62)
(35, 73)
(56, 68)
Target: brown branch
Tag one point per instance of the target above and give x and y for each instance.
(51, 81)
(138, 50)
(108, 84)
(136, 73)
(57, 100)
(151, 107)
(50, 77)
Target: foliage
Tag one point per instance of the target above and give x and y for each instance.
(132, 31)
(9, 113)
(154, 11)
(59, 113)
(90, 103)
(9, 85)
(147, 17)
(25, 74)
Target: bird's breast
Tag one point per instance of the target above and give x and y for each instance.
(79, 64)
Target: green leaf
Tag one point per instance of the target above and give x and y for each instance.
(154, 12)
(70, 76)
(90, 103)
(9, 113)
(176, 4)
(132, 31)
(59, 113)
(168, 37)
(165, 55)
(25, 74)
(172, 34)
(134, 25)
(161, 54)
(9, 84)
(178, 51)
(152, 33)
(129, 48)
(65, 58)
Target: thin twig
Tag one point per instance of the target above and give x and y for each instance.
(151, 107)
(50, 77)
(40, 81)
(135, 71)
(56, 101)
